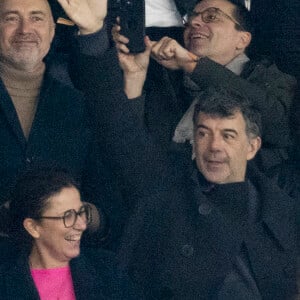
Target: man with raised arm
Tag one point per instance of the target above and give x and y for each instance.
(41, 119)
(216, 37)
(219, 230)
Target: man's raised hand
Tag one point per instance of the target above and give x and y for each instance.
(88, 15)
(169, 53)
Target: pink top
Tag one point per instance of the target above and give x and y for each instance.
(54, 284)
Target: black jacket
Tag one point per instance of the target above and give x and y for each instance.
(95, 276)
(181, 245)
(60, 134)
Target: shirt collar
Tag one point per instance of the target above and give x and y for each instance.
(237, 64)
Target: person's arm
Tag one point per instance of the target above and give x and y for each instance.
(170, 54)
(130, 151)
(135, 160)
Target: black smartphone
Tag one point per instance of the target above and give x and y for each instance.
(132, 22)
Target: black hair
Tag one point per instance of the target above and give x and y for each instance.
(242, 16)
(30, 197)
(222, 102)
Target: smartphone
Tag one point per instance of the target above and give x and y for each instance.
(132, 22)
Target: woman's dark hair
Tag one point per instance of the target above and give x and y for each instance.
(30, 196)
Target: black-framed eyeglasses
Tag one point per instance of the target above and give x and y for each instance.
(70, 216)
(209, 15)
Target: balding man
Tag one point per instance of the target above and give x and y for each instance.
(41, 119)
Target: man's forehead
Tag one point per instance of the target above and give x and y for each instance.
(25, 6)
(236, 120)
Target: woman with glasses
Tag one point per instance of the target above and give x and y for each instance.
(47, 221)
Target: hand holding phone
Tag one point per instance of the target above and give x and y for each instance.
(132, 22)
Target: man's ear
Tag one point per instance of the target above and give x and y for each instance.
(193, 149)
(244, 41)
(253, 147)
(53, 31)
(31, 227)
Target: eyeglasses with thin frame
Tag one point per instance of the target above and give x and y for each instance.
(209, 15)
(70, 216)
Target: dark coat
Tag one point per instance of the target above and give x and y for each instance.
(174, 246)
(177, 248)
(95, 276)
(60, 133)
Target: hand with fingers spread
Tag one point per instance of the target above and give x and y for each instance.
(169, 53)
(134, 65)
(88, 15)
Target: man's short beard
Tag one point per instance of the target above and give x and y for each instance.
(23, 60)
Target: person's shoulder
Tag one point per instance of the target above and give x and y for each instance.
(264, 72)
(58, 87)
(13, 262)
(266, 64)
(269, 189)
(101, 257)
(258, 64)
(109, 272)
(62, 86)
(101, 263)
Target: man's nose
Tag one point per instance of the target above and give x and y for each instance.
(24, 26)
(197, 21)
(215, 143)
